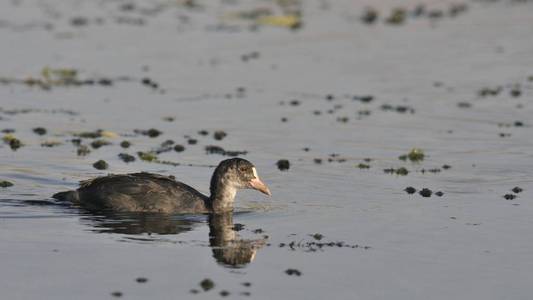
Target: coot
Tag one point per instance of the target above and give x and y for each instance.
(147, 192)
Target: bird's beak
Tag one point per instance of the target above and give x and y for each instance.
(257, 184)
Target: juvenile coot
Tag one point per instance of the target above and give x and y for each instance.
(146, 192)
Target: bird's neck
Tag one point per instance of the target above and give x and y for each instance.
(222, 197)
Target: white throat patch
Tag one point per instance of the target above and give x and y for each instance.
(255, 173)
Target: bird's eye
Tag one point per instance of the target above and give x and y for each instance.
(242, 169)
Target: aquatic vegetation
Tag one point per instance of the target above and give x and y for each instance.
(207, 284)
(147, 156)
(51, 143)
(397, 17)
(152, 132)
(101, 165)
(13, 142)
(415, 155)
(127, 158)
(400, 171)
(363, 166)
(5, 184)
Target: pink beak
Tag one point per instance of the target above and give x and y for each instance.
(257, 184)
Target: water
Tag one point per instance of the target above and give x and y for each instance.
(470, 243)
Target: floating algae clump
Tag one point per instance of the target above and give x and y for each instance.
(147, 156)
(415, 155)
(4, 183)
(12, 141)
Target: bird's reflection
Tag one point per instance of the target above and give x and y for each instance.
(139, 223)
(228, 248)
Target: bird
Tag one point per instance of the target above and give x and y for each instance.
(148, 192)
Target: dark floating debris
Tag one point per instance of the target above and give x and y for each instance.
(369, 16)
(179, 148)
(292, 272)
(224, 293)
(90, 134)
(116, 294)
(50, 144)
(99, 143)
(105, 82)
(363, 99)
(316, 245)
(464, 105)
(238, 227)
(125, 144)
(343, 119)
(400, 171)
(83, 150)
(152, 132)
(207, 284)
(141, 280)
(317, 236)
(150, 83)
(517, 190)
(5, 184)
(509, 196)
(425, 192)
(127, 158)
(439, 194)
(294, 102)
(363, 166)
(212, 149)
(317, 161)
(165, 146)
(247, 284)
(283, 164)
(79, 21)
(192, 141)
(39, 130)
(101, 165)
(515, 92)
(446, 167)
(434, 170)
(488, 91)
(410, 190)
(219, 135)
(398, 108)
(203, 132)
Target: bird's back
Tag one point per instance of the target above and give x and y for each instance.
(140, 192)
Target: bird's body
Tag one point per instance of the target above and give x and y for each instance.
(147, 192)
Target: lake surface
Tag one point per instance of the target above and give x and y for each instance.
(333, 95)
